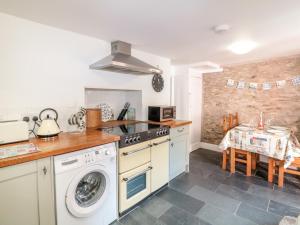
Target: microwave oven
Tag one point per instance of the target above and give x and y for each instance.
(161, 113)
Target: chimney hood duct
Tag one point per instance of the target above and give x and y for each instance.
(121, 61)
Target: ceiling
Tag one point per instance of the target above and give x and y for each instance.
(177, 29)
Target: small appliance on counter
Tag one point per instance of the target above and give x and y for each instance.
(48, 126)
(161, 113)
(13, 131)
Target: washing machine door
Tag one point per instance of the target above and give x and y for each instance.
(87, 191)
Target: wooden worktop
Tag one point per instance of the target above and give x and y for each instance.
(70, 142)
(64, 143)
(173, 123)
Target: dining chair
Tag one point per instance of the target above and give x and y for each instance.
(236, 155)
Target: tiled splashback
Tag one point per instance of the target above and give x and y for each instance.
(115, 98)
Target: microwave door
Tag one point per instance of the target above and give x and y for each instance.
(167, 113)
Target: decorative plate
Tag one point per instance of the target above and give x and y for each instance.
(106, 111)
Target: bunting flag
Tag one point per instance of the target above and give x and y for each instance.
(280, 83)
(266, 86)
(241, 85)
(230, 83)
(253, 85)
(295, 81)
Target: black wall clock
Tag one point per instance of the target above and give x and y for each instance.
(158, 82)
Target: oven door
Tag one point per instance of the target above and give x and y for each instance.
(134, 186)
(167, 113)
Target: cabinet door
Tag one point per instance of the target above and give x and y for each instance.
(46, 191)
(178, 151)
(18, 194)
(159, 162)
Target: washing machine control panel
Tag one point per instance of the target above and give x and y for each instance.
(85, 157)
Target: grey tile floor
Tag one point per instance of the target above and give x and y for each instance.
(208, 195)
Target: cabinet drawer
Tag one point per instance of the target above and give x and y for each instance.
(174, 132)
(134, 156)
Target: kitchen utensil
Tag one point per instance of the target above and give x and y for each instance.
(48, 126)
(93, 117)
(124, 111)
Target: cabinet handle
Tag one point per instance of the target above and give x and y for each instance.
(162, 142)
(137, 150)
(180, 130)
(45, 170)
(135, 175)
(172, 144)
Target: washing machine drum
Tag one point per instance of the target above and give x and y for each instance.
(87, 191)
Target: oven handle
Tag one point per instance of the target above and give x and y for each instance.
(137, 150)
(162, 142)
(135, 175)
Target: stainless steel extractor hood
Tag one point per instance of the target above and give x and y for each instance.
(122, 61)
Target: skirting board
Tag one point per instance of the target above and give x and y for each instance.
(209, 146)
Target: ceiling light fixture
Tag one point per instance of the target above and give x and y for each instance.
(221, 28)
(242, 47)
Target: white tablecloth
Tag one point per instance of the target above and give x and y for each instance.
(275, 142)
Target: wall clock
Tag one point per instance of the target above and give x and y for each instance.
(158, 82)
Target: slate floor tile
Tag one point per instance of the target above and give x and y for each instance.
(251, 199)
(282, 209)
(258, 216)
(182, 183)
(276, 195)
(218, 200)
(156, 206)
(177, 216)
(253, 180)
(139, 217)
(233, 181)
(181, 200)
(185, 182)
(219, 217)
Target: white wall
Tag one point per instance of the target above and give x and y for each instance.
(187, 96)
(42, 66)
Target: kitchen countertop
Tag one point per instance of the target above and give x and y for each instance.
(64, 143)
(173, 123)
(70, 142)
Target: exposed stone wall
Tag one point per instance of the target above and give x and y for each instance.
(283, 104)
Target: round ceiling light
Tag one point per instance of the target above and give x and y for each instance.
(221, 28)
(242, 47)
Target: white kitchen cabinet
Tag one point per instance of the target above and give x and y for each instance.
(159, 162)
(26, 193)
(178, 151)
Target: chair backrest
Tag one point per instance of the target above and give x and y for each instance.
(230, 121)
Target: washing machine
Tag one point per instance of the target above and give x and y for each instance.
(86, 186)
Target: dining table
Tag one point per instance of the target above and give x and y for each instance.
(278, 143)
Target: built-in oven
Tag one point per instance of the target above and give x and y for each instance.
(161, 113)
(134, 186)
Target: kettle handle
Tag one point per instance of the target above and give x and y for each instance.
(49, 109)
